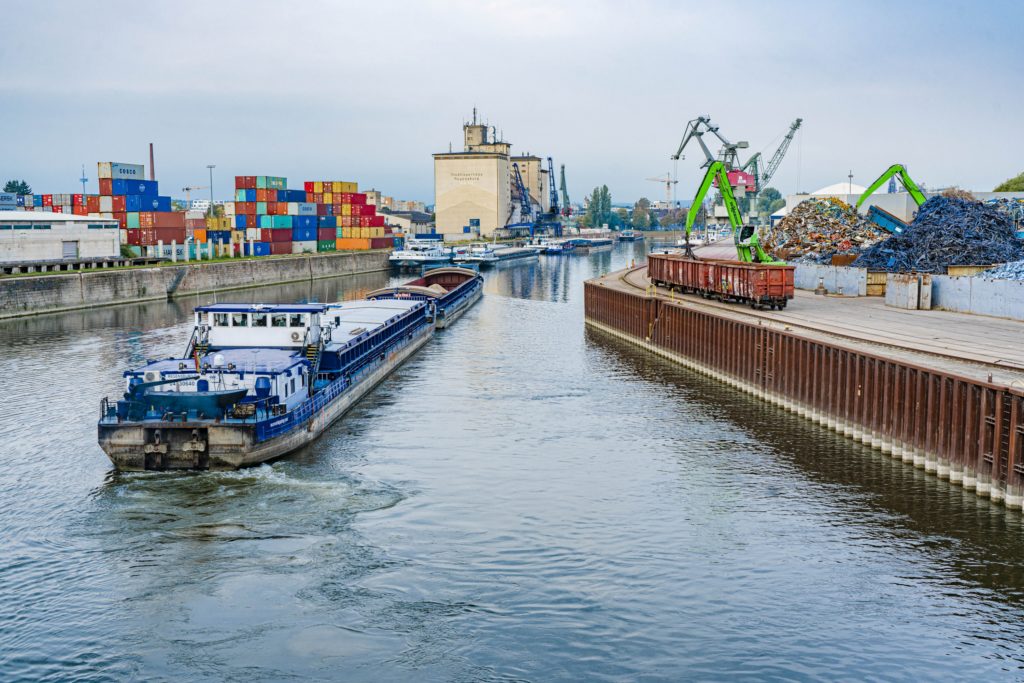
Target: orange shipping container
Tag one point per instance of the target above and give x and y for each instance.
(352, 244)
(199, 234)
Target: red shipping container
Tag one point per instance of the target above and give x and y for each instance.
(261, 195)
(78, 200)
(122, 219)
(376, 221)
(368, 210)
(322, 210)
(140, 236)
(79, 210)
(250, 182)
(358, 198)
(281, 247)
(281, 235)
(117, 201)
(168, 235)
(106, 187)
(381, 242)
(92, 202)
(271, 208)
(58, 209)
(47, 200)
(324, 234)
(239, 182)
(242, 207)
(308, 186)
(317, 198)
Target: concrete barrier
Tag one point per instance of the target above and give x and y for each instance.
(25, 295)
(978, 295)
(852, 281)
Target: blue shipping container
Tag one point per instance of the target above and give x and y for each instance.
(138, 202)
(304, 222)
(258, 249)
(307, 209)
(328, 222)
(303, 234)
(20, 200)
(250, 195)
(8, 199)
(146, 188)
(163, 203)
(241, 221)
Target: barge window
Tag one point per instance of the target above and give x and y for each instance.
(259, 319)
(220, 319)
(279, 320)
(296, 320)
(239, 320)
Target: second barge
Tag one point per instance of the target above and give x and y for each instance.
(260, 381)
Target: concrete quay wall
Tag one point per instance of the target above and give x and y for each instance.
(963, 430)
(29, 295)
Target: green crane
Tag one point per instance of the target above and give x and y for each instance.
(748, 247)
(900, 171)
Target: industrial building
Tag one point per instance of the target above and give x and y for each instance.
(38, 236)
(473, 189)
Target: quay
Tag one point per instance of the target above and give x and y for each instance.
(941, 390)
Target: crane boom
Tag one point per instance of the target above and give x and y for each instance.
(551, 183)
(696, 129)
(753, 165)
(565, 194)
(893, 171)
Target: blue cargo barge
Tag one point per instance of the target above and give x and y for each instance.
(258, 381)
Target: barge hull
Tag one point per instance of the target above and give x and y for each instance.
(184, 445)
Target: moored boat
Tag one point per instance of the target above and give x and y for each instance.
(258, 381)
(418, 253)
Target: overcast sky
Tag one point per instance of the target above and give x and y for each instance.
(367, 91)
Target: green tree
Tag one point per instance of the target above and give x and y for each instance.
(642, 214)
(766, 201)
(18, 187)
(599, 208)
(619, 219)
(654, 221)
(1015, 184)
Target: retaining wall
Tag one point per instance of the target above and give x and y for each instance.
(853, 281)
(27, 295)
(982, 296)
(967, 431)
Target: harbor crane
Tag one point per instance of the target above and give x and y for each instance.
(566, 206)
(188, 193)
(553, 191)
(763, 176)
(669, 183)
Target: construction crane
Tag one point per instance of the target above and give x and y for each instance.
(566, 206)
(551, 183)
(763, 176)
(188, 193)
(668, 188)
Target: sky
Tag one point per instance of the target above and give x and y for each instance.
(368, 91)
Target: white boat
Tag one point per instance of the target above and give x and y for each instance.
(420, 253)
(478, 253)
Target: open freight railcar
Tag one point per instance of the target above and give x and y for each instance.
(758, 284)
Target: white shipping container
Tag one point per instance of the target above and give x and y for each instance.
(106, 204)
(112, 169)
(293, 208)
(252, 234)
(229, 209)
(304, 247)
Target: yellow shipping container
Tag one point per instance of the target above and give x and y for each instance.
(346, 209)
(328, 198)
(237, 236)
(350, 187)
(336, 186)
(318, 186)
(351, 244)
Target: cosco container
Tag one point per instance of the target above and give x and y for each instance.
(304, 222)
(114, 170)
(8, 199)
(258, 249)
(303, 234)
(306, 209)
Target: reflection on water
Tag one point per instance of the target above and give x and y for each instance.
(524, 500)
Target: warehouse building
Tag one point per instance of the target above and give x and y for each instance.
(29, 236)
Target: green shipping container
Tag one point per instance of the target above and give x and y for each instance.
(265, 221)
(261, 207)
(340, 233)
(325, 245)
(282, 221)
(133, 219)
(261, 182)
(239, 195)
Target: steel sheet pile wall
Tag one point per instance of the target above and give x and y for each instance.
(968, 431)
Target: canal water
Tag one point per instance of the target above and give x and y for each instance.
(524, 500)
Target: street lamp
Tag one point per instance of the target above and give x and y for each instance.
(211, 167)
(851, 182)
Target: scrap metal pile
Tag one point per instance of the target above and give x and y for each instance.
(947, 232)
(817, 229)
(1008, 271)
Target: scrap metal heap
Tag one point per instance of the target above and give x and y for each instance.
(948, 231)
(817, 229)
(1007, 271)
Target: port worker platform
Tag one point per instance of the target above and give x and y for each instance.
(960, 343)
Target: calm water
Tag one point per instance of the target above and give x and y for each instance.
(525, 500)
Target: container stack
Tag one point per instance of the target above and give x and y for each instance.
(144, 215)
(323, 216)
